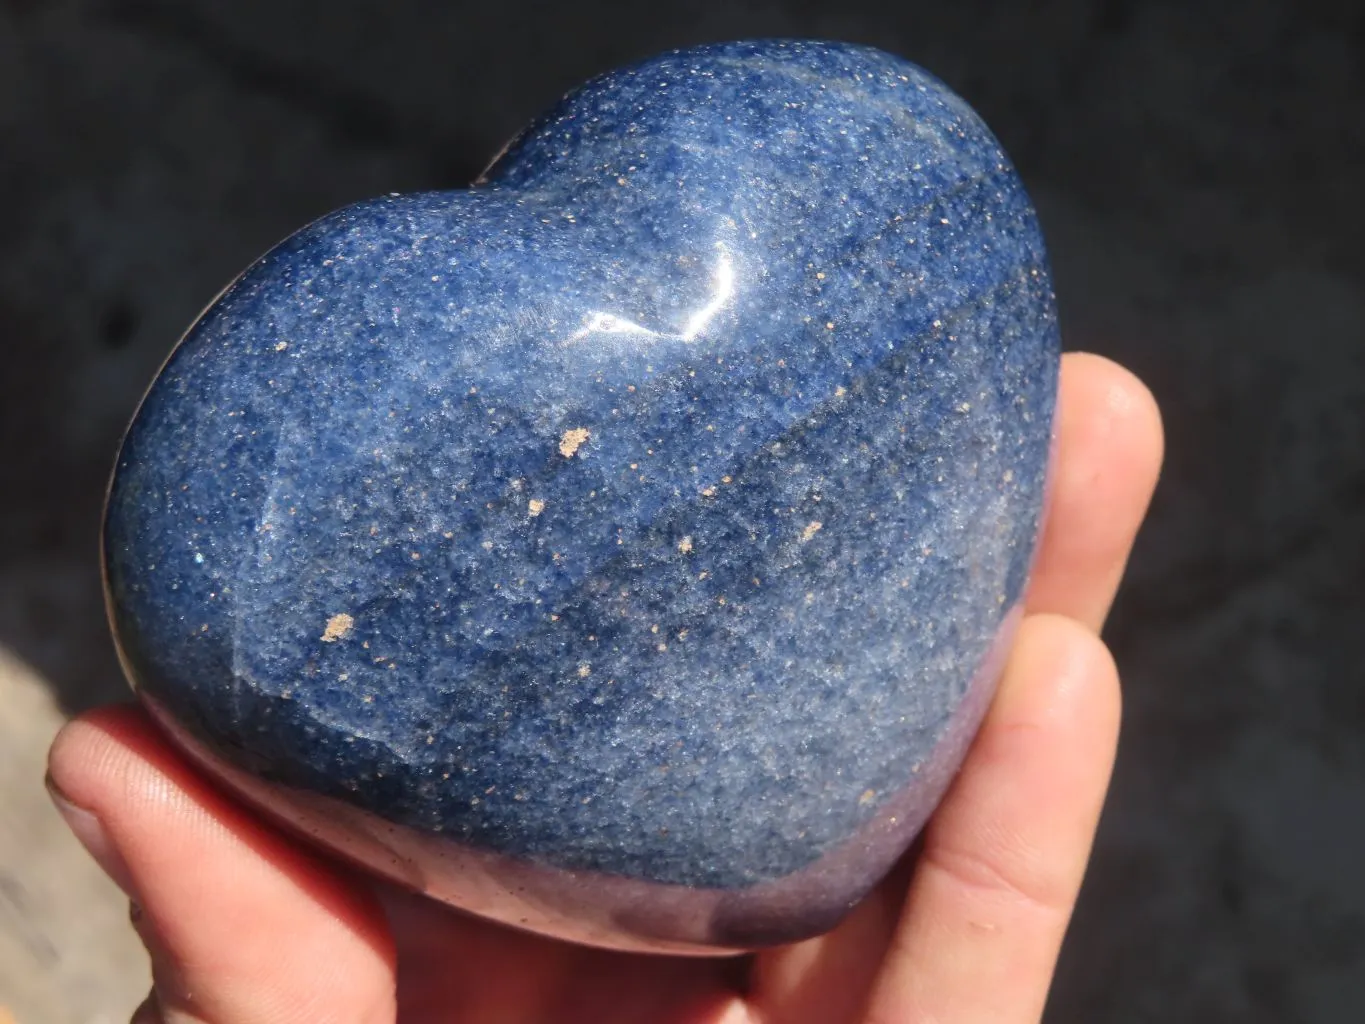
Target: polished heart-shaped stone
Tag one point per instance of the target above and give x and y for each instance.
(624, 547)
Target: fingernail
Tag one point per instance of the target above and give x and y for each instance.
(88, 829)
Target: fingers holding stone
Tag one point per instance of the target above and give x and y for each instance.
(1109, 449)
(1003, 858)
(241, 924)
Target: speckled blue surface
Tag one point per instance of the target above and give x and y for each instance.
(645, 509)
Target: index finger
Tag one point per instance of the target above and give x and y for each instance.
(1109, 448)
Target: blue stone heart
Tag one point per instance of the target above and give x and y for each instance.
(623, 547)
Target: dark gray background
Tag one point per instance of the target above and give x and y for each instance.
(1199, 169)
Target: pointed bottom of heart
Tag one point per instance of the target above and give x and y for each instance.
(610, 911)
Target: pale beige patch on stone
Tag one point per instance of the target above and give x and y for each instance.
(572, 439)
(337, 627)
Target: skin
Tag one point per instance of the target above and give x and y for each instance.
(244, 926)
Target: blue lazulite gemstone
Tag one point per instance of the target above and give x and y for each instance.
(644, 522)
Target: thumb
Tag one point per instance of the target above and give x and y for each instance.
(241, 924)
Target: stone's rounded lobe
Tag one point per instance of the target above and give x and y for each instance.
(638, 522)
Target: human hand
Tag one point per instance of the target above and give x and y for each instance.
(244, 926)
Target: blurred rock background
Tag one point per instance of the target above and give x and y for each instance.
(1199, 168)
